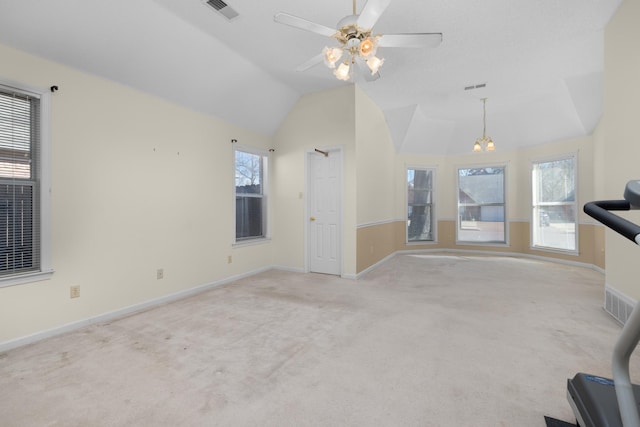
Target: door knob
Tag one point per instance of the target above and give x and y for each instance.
(313, 218)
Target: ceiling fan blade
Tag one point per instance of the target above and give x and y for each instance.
(311, 62)
(371, 12)
(303, 24)
(410, 40)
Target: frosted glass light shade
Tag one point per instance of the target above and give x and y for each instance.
(368, 47)
(332, 55)
(342, 72)
(374, 63)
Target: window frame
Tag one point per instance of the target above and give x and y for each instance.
(505, 221)
(432, 204)
(43, 181)
(551, 159)
(266, 235)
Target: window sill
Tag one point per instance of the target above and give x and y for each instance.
(555, 250)
(421, 242)
(471, 243)
(251, 242)
(25, 278)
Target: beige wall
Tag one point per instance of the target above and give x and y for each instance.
(378, 241)
(345, 117)
(375, 190)
(141, 184)
(617, 138)
(518, 189)
(319, 120)
(375, 187)
(375, 242)
(138, 184)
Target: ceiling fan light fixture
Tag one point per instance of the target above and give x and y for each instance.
(342, 72)
(368, 47)
(354, 35)
(332, 55)
(374, 63)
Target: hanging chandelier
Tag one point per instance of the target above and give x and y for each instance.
(485, 143)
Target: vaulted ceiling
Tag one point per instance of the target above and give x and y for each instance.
(541, 61)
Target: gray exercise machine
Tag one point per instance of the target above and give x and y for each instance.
(604, 402)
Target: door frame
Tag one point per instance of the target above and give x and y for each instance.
(332, 150)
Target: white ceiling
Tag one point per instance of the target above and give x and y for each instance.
(542, 61)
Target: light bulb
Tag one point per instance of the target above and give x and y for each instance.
(368, 47)
(477, 147)
(490, 146)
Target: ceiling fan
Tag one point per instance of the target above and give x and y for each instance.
(357, 44)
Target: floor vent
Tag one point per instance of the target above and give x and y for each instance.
(617, 305)
(223, 9)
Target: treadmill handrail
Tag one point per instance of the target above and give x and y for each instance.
(600, 210)
(628, 340)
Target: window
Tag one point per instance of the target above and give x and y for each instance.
(554, 209)
(420, 209)
(251, 205)
(481, 207)
(23, 207)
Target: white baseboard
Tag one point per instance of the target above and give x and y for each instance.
(125, 311)
(372, 267)
(289, 269)
(505, 254)
(122, 312)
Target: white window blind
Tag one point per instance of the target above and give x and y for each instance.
(19, 182)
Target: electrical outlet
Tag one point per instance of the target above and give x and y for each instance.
(160, 274)
(229, 259)
(74, 292)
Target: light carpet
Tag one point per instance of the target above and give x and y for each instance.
(422, 340)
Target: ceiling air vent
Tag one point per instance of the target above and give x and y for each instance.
(223, 9)
(478, 86)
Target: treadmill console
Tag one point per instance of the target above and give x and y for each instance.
(632, 193)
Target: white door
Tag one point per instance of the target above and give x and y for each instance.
(324, 228)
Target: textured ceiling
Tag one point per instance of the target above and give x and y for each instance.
(542, 61)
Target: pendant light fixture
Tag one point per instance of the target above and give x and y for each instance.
(485, 143)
